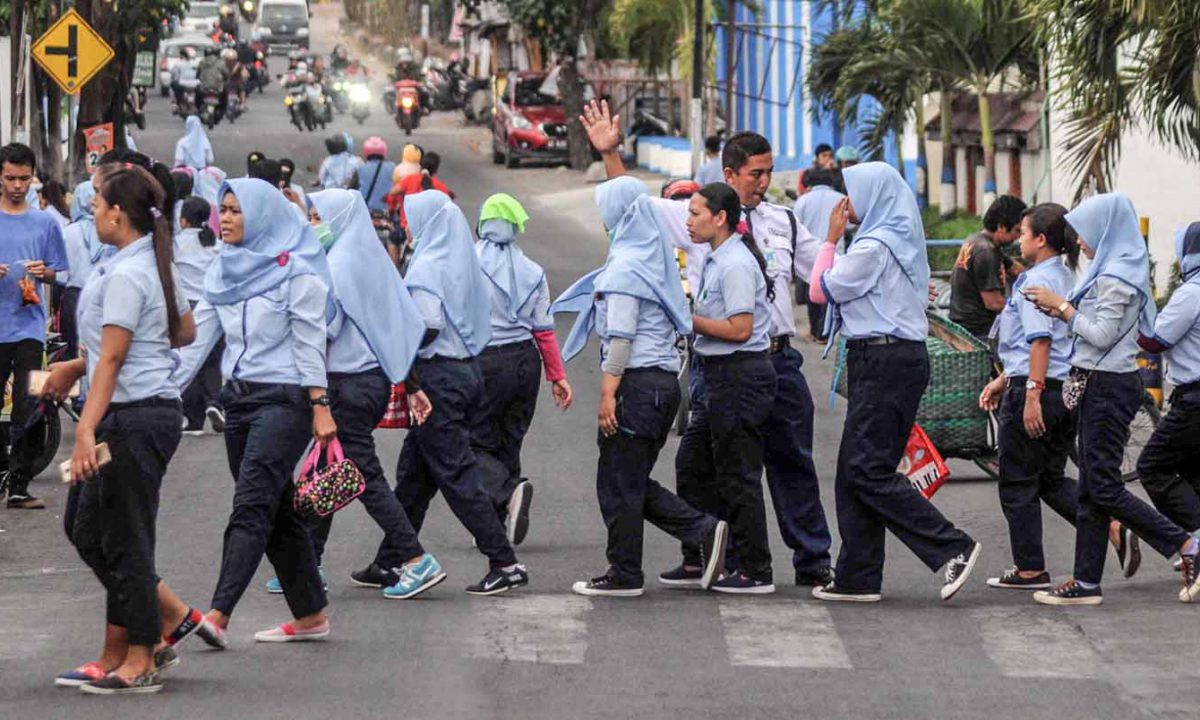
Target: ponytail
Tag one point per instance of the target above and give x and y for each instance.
(1050, 220)
(196, 211)
(719, 197)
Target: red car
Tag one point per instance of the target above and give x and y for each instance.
(528, 124)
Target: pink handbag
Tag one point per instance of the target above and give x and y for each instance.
(322, 491)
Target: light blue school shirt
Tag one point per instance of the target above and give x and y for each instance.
(1021, 322)
(189, 358)
(447, 343)
(1105, 327)
(874, 296)
(79, 257)
(733, 284)
(1178, 327)
(191, 262)
(31, 235)
(533, 316)
(125, 291)
(278, 336)
(642, 322)
(349, 352)
(710, 172)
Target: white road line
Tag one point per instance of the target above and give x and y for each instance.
(781, 633)
(1049, 644)
(529, 628)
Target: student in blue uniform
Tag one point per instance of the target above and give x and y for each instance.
(1036, 430)
(636, 306)
(373, 341)
(877, 293)
(522, 342)
(270, 289)
(719, 464)
(451, 292)
(1105, 313)
(131, 313)
(1167, 466)
(84, 250)
(195, 250)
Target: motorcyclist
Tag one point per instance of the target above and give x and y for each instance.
(237, 74)
(184, 79)
(407, 67)
(295, 57)
(213, 77)
(339, 59)
(228, 24)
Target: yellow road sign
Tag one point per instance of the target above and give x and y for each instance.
(71, 52)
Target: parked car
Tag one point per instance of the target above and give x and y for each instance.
(170, 52)
(282, 24)
(528, 123)
(200, 18)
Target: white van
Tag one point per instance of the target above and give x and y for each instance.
(282, 24)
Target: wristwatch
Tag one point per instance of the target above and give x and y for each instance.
(1062, 309)
(322, 400)
(1032, 384)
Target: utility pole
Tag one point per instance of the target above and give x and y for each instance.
(696, 115)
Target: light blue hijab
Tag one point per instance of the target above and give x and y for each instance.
(193, 149)
(888, 213)
(515, 276)
(81, 202)
(1187, 251)
(1109, 224)
(81, 214)
(366, 283)
(277, 245)
(444, 264)
(641, 263)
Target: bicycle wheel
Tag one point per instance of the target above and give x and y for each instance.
(1140, 430)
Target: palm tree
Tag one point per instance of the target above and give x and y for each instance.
(972, 43)
(650, 32)
(1118, 63)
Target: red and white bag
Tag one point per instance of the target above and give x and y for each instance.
(922, 464)
(397, 416)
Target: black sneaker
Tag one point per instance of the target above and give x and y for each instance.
(1070, 593)
(216, 418)
(1190, 568)
(833, 593)
(165, 659)
(1129, 552)
(681, 576)
(112, 684)
(24, 501)
(374, 577)
(516, 524)
(498, 581)
(958, 570)
(713, 552)
(1013, 580)
(816, 578)
(606, 586)
(740, 583)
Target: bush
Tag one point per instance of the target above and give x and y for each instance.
(956, 227)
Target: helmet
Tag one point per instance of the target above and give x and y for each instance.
(302, 68)
(374, 145)
(294, 55)
(311, 78)
(229, 54)
(679, 189)
(404, 55)
(211, 51)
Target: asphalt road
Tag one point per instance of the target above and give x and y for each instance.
(543, 652)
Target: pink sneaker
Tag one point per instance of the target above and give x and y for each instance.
(289, 633)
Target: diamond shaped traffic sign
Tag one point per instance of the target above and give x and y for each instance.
(71, 52)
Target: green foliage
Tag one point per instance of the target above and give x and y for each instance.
(558, 24)
(957, 226)
(648, 30)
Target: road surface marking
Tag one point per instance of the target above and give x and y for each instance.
(1049, 644)
(529, 628)
(781, 633)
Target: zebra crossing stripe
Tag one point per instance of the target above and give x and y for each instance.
(1024, 644)
(781, 633)
(529, 628)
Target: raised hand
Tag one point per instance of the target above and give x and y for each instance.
(604, 130)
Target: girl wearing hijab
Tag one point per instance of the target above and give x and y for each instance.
(195, 250)
(269, 285)
(1167, 464)
(193, 149)
(337, 169)
(84, 250)
(450, 290)
(1105, 312)
(719, 464)
(636, 306)
(877, 294)
(522, 339)
(131, 314)
(373, 341)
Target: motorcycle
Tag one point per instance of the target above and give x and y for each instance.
(477, 101)
(299, 108)
(135, 107)
(408, 105)
(246, 8)
(210, 108)
(233, 106)
(260, 74)
(360, 101)
(339, 93)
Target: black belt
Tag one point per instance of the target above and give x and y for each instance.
(879, 340)
(245, 387)
(1020, 380)
(509, 348)
(779, 343)
(739, 356)
(445, 358)
(145, 403)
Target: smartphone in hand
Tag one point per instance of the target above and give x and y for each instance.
(103, 457)
(37, 384)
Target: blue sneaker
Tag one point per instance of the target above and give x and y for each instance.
(416, 578)
(276, 588)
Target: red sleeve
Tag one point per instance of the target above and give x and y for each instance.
(551, 357)
(1151, 345)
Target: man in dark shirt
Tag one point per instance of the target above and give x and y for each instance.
(982, 271)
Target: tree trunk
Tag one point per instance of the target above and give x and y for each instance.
(949, 194)
(899, 135)
(103, 99)
(922, 160)
(580, 149)
(989, 148)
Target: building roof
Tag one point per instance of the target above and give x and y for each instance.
(1016, 120)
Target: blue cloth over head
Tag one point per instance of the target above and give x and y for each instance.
(641, 263)
(276, 246)
(81, 214)
(81, 201)
(444, 264)
(1187, 251)
(888, 213)
(514, 275)
(1109, 225)
(367, 285)
(193, 149)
